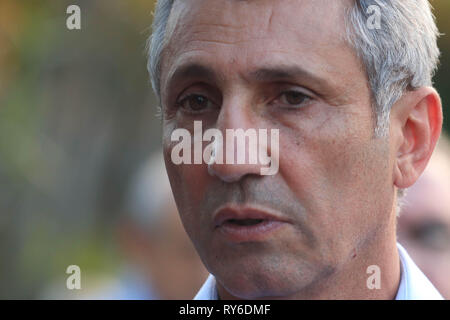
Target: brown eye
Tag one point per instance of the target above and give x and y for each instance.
(195, 102)
(293, 97)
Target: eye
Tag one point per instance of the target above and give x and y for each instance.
(292, 99)
(195, 103)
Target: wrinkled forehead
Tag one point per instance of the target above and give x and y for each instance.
(313, 23)
(244, 17)
(247, 31)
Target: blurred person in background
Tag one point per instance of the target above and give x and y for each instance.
(424, 223)
(157, 260)
(161, 262)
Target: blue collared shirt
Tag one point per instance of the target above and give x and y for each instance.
(414, 285)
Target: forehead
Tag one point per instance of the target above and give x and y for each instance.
(249, 33)
(236, 20)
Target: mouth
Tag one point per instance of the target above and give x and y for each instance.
(241, 224)
(244, 222)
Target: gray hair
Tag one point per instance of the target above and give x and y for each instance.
(401, 54)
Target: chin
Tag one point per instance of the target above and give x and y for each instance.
(262, 281)
(243, 287)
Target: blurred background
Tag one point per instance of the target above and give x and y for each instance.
(79, 155)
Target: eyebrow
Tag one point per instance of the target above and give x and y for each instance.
(283, 72)
(265, 74)
(193, 70)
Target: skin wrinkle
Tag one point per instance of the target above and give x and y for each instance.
(181, 32)
(335, 181)
(341, 95)
(331, 99)
(248, 192)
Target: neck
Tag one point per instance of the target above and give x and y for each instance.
(357, 279)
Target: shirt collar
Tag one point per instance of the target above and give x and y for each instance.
(414, 285)
(208, 291)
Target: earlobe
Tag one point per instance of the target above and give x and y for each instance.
(418, 118)
(404, 174)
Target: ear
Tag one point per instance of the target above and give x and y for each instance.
(416, 124)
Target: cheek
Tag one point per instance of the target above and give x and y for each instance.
(188, 182)
(326, 162)
(339, 174)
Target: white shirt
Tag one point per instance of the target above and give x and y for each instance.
(414, 285)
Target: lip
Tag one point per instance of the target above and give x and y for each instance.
(271, 222)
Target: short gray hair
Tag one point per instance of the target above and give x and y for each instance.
(402, 54)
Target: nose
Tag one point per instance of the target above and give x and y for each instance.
(243, 150)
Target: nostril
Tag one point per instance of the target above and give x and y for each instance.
(227, 175)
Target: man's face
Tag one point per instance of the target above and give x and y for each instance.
(275, 65)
